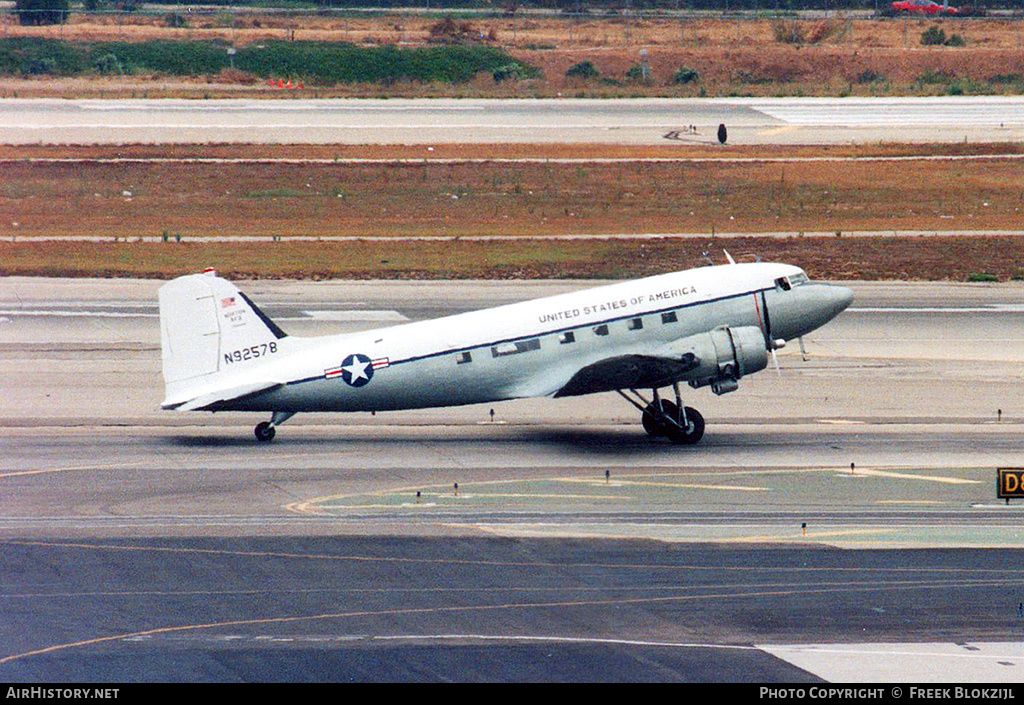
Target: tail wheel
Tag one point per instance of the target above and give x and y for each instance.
(265, 432)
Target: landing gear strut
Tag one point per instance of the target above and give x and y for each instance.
(661, 417)
(265, 430)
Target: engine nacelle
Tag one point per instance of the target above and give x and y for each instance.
(725, 354)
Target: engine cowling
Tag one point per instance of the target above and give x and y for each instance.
(725, 355)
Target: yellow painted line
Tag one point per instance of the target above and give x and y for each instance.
(813, 535)
(726, 593)
(778, 130)
(911, 476)
(909, 501)
(23, 473)
(477, 495)
(739, 488)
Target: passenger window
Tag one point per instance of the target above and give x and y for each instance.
(601, 329)
(519, 346)
(636, 323)
(567, 337)
(669, 317)
(463, 358)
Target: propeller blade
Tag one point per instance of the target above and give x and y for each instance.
(803, 350)
(775, 360)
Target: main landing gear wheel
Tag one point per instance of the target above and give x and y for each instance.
(265, 432)
(662, 418)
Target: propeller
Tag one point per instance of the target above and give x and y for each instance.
(803, 351)
(776, 345)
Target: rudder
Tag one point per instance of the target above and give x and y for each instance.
(209, 328)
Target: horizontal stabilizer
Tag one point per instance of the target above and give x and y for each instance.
(210, 400)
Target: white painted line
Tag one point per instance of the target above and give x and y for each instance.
(352, 316)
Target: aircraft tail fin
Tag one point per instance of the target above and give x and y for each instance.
(209, 329)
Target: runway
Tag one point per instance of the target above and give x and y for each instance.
(546, 121)
(146, 545)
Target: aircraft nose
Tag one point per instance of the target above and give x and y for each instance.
(841, 297)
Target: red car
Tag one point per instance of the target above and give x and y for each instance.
(927, 7)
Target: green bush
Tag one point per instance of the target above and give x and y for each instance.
(24, 56)
(514, 71)
(636, 73)
(41, 12)
(108, 65)
(684, 76)
(312, 61)
(933, 36)
(869, 76)
(584, 69)
(347, 63)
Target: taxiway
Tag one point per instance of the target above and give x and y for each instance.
(147, 545)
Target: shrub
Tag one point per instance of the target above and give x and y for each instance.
(108, 65)
(20, 56)
(955, 41)
(636, 73)
(584, 69)
(869, 76)
(933, 36)
(512, 71)
(41, 12)
(314, 61)
(684, 76)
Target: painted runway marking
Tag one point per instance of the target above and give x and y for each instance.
(682, 485)
(741, 594)
(73, 468)
(910, 476)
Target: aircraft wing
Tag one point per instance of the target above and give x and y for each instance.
(210, 400)
(628, 372)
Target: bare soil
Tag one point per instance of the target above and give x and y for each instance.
(118, 202)
(836, 257)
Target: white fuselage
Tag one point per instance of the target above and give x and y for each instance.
(525, 349)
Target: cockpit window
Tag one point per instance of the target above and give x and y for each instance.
(787, 283)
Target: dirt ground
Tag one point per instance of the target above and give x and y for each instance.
(180, 204)
(936, 258)
(733, 56)
(496, 199)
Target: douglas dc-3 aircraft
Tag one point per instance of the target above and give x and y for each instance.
(709, 327)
